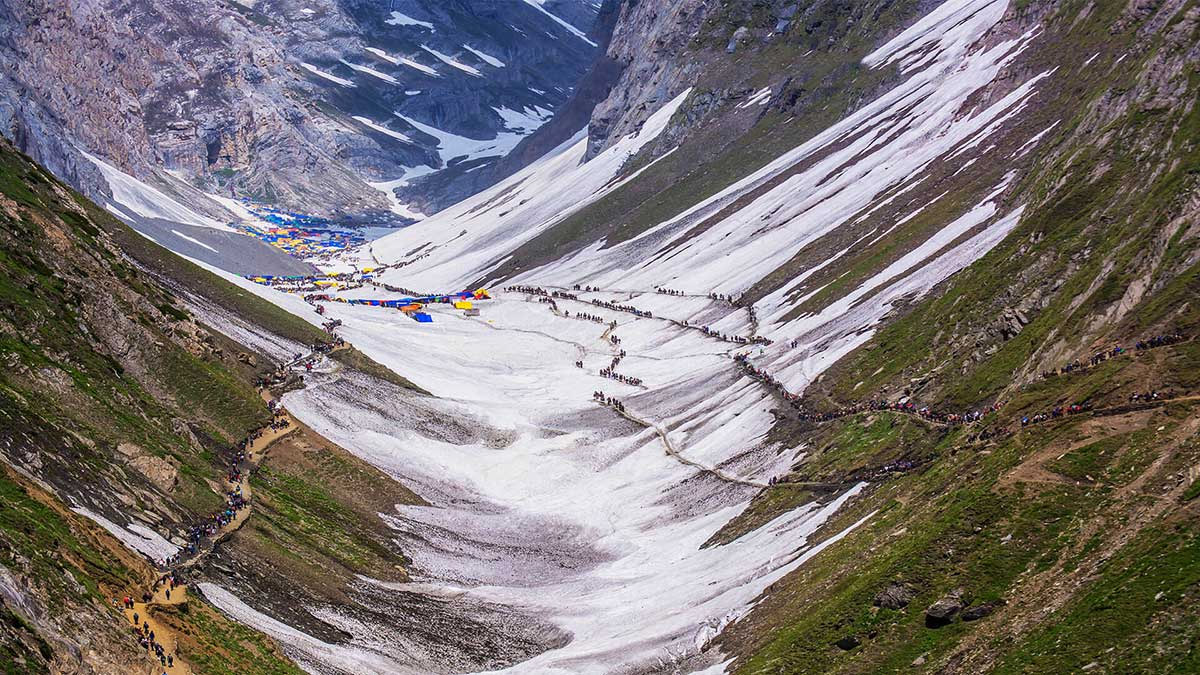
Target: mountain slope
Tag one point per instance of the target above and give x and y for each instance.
(122, 411)
(932, 205)
(303, 104)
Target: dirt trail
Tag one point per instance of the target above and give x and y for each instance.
(256, 450)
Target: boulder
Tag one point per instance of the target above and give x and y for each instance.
(894, 596)
(977, 612)
(944, 610)
(847, 643)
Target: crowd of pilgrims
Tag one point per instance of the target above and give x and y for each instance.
(141, 627)
(616, 307)
(736, 339)
(1102, 356)
(600, 397)
(668, 291)
(611, 371)
(589, 317)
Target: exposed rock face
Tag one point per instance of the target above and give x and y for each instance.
(157, 470)
(300, 103)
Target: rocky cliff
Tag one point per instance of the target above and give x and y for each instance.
(303, 104)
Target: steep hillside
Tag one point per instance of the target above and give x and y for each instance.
(122, 412)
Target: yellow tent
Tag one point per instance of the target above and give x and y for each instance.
(463, 304)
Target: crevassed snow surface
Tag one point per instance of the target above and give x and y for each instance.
(147, 201)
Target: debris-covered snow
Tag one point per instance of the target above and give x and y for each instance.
(300, 645)
(591, 527)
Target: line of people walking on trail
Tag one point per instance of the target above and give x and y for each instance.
(530, 290)
(668, 291)
(148, 640)
(645, 314)
(724, 337)
(589, 317)
(906, 407)
(1055, 413)
(1102, 356)
(614, 375)
(146, 637)
(603, 399)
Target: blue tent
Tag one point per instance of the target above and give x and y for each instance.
(422, 317)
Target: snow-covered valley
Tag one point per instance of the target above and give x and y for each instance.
(599, 519)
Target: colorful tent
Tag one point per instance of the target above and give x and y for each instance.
(463, 304)
(422, 317)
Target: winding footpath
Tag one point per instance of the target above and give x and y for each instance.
(141, 613)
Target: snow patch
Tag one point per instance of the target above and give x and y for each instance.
(372, 72)
(147, 201)
(451, 61)
(488, 59)
(328, 76)
(136, 537)
(401, 19)
(381, 129)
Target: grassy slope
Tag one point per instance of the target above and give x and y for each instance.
(98, 352)
(1084, 527)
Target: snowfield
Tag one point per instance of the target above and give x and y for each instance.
(561, 509)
